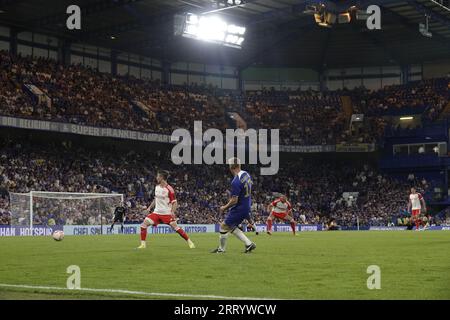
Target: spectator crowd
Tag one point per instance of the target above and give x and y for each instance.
(44, 89)
(427, 97)
(304, 118)
(314, 188)
(81, 95)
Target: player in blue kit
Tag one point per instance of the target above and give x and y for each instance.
(239, 207)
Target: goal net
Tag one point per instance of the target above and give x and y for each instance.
(63, 208)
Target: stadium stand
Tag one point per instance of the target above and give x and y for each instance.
(84, 96)
(316, 189)
(81, 95)
(427, 97)
(43, 89)
(344, 108)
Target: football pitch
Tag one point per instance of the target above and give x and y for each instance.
(312, 265)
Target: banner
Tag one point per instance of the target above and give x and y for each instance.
(439, 228)
(284, 228)
(308, 149)
(354, 228)
(355, 147)
(62, 127)
(72, 230)
(82, 129)
(387, 228)
(6, 231)
(306, 227)
(78, 230)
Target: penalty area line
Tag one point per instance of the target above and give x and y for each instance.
(129, 292)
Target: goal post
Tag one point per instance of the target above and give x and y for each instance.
(63, 208)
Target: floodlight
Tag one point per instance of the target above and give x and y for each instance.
(192, 18)
(423, 28)
(321, 21)
(211, 28)
(344, 17)
(236, 29)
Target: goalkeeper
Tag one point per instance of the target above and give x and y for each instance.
(119, 216)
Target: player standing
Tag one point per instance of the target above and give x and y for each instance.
(416, 204)
(165, 206)
(239, 207)
(281, 209)
(119, 216)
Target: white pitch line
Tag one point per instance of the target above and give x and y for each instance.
(141, 293)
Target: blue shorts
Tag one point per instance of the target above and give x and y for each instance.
(233, 219)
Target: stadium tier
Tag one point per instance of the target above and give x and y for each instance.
(81, 95)
(225, 150)
(314, 187)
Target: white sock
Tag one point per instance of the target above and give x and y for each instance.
(241, 236)
(223, 240)
(143, 242)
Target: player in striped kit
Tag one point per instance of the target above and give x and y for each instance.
(416, 205)
(165, 206)
(281, 209)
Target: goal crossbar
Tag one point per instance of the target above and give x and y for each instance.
(68, 195)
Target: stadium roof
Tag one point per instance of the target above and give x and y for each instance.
(279, 33)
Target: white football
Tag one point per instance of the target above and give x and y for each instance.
(58, 235)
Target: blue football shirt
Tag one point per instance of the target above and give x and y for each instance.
(241, 187)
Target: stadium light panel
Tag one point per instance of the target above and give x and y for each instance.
(191, 29)
(231, 38)
(192, 19)
(211, 28)
(344, 17)
(236, 29)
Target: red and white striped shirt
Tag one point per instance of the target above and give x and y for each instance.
(164, 197)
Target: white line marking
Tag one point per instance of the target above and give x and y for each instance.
(141, 293)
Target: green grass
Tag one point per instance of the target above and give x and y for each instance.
(315, 265)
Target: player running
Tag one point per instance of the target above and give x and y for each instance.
(119, 216)
(416, 204)
(165, 206)
(239, 207)
(281, 209)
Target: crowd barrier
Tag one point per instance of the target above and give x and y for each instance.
(77, 230)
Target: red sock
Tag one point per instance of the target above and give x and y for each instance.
(143, 233)
(183, 234)
(269, 225)
(293, 227)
